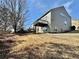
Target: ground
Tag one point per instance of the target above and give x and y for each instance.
(40, 46)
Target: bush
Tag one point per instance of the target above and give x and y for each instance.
(73, 28)
(21, 31)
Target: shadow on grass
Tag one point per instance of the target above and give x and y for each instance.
(75, 31)
(6, 41)
(21, 34)
(3, 36)
(48, 51)
(4, 50)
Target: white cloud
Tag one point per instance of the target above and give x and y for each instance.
(38, 4)
(41, 6)
(56, 4)
(67, 6)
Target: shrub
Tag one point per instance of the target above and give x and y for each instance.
(73, 28)
(21, 31)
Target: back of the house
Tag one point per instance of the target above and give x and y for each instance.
(55, 20)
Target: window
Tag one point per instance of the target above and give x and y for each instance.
(44, 29)
(65, 22)
(62, 14)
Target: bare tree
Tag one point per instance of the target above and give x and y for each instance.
(17, 9)
(3, 16)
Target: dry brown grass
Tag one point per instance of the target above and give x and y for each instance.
(45, 46)
(35, 39)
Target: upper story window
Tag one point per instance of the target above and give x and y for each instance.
(62, 14)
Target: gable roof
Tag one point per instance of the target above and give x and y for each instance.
(42, 16)
(50, 11)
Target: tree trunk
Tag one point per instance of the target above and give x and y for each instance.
(15, 27)
(5, 27)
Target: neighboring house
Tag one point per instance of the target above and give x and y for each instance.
(55, 20)
(75, 23)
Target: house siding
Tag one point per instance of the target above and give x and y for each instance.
(45, 18)
(75, 23)
(57, 21)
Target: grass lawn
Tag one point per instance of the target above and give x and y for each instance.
(41, 46)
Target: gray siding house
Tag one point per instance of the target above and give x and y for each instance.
(55, 20)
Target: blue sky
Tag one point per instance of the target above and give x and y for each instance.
(38, 7)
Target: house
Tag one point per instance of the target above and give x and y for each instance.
(55, 20)
(75, 22)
